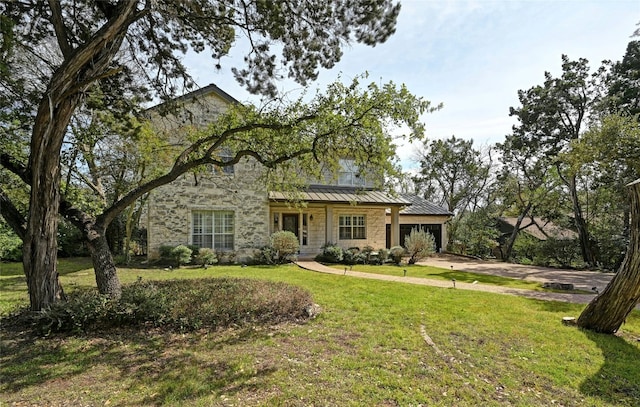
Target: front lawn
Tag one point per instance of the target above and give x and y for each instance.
(375, 343)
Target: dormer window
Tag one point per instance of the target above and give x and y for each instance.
(350, 174)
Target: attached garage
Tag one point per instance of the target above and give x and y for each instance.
(424, 215)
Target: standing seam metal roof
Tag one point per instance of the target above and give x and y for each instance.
(340, 194)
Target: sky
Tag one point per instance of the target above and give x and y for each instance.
(471, 55)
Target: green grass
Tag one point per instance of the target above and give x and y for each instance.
(366, 348)
(437, 273)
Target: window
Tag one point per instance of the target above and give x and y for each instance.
(352, 227)
(350, 174)
(226, 156)
(213, 229)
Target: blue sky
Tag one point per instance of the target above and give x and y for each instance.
(471, 55)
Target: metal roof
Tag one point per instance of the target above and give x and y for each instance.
(420, 206)
(341, 194)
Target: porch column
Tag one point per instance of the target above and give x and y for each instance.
(329, 225)
(395, 226)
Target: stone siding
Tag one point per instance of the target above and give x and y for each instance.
(171, 206)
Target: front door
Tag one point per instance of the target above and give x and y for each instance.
(291, 223)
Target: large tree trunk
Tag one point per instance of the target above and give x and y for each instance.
(40, 248)
(586, 248)
(608, 311)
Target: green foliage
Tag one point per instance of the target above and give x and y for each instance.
(206, 257)
(265, 255)
(383, 255)
(353, 255)
(419, 244)
(474, 234)
(70, 241)
(10, 244)
(182, 305)
(285, 244)
(396, 253)
(181, 254)
(331, 253)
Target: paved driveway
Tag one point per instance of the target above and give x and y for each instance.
(584, 280)
(581, 280)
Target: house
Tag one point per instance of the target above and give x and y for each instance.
(230, 208)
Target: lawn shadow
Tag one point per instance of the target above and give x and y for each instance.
(618, 380)
(162, 361)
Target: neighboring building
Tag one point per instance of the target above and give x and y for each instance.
(540, 228)
(229, 208)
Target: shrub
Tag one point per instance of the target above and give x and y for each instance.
(383, 256)
(181, 254)
(165, 253)
(367, 252)
(181, 305)
(331, 253)
(396, 253)
(419, 244)
(264, 255)
(353, 255)
(285, 244)
(206, 257)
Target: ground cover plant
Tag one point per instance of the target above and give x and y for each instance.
(375, 343)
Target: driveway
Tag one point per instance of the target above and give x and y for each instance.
(581, 280)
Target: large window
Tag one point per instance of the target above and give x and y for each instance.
(352, 227)
(213, 229)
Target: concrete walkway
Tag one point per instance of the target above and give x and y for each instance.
(581, 279)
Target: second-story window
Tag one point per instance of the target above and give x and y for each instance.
(350, 174)
(225, 156)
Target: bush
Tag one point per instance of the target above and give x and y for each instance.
(396, 253)
(383, 256)
(419, 244)
(265, 255)
(331, 253)
(181, 254)
(353, 255)
(285, 244)
(367, 252)
(182, 305)
(206, 257)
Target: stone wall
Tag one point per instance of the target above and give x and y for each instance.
(170, 207)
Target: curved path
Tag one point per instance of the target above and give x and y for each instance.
(581, 279)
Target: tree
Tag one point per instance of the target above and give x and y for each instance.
(623, 83)
(550, 117)
(108, 43)
(607, 154)
(608, 311)
(453, 173)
